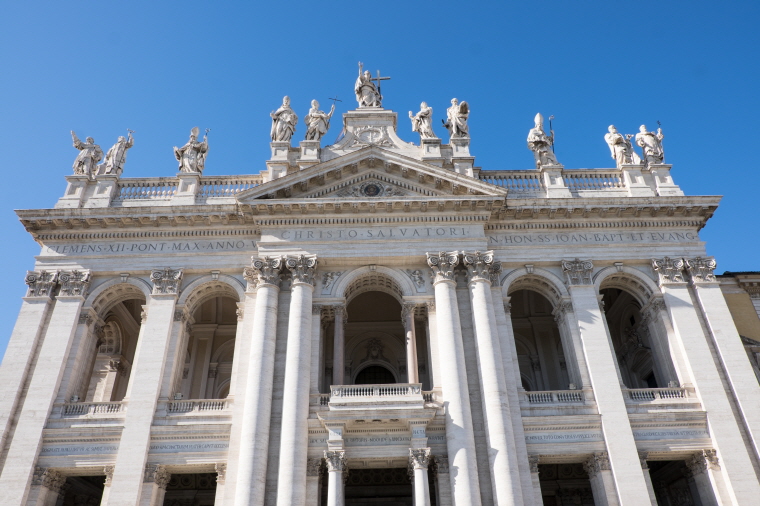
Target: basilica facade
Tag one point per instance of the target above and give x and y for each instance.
(380, 322)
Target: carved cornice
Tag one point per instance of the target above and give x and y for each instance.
(336, 461)
(670, 270)
(443, 265)
(481, 266)
(302, 268)
(74, 283)
(157, 474)
(599, 461)
(166, 281)
(40, 283)
(314, 467)
(701, 269)
(419, 458)
(577, 272)
(267, 270)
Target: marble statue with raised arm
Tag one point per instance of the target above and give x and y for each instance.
(620, 147)
(422, 122)
(366, 92)
(317, 122)
(284, 122)
(651, 145)
(192, 156)
(117, 155)
(89, 155)
(456, 119)
(541, 144)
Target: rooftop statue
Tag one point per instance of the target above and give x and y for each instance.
(317, 122)
(651, 145)
(284, 122)
(456, 119)
(422, 122)
(541, 144)
(89, 155)
(367, 93)
(620, 147)
(192, 156)
(117, 155)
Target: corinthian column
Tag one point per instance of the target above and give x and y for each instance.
(407, 318)
(460, 440)
(254, 439)
(505, 474)
(419, 458)
(294, 436)
(336, 465)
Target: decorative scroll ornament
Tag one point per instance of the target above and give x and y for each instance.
(251, 278)
(267, 270)
(419, 458)
(577, 272)
(670, 270)
(599, 461)
(302, 268)
(336, 460)
(443, 265)
(221, 472)
(481, 266)
(701, 269)
(166, 281)
(74, 283)
(157, 474)
(41, 283)
(313, 467)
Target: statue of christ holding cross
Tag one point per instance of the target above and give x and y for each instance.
(367, 92)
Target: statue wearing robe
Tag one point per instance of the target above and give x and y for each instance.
(422, 122)
(89, 155)
(284, 122)
(367, 93)
(541, 144)
(317, 122)
(192, 156)
(456, 119)
(651, 145)
(117, 155)
(621, 149)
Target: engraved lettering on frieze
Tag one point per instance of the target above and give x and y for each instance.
(162, 248)
(335, 460)
(701, 269)
(302, 268)
(166, 281)
(442, 265)
(577, 272)
(481, 266)
(328, 281)
(267, 270)
(540, 239)
(221, 471)
(669, 270)
(40, 283)
(314, 467)
(74, 283)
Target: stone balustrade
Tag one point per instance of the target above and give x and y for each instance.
(191, 406)
(655, 394)
(145, 189)
(135, 192)
(554, 397)
(89, 409)
(388, 396)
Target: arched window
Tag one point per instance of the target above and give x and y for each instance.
(374, 375)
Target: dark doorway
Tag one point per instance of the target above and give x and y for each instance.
(374, 375)
(197, 489)
(83, 490)
(565, 485)
(671, 482)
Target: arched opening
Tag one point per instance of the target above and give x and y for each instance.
(540, 352)
(209, 349)
(374, 375)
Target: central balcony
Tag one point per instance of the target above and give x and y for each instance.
(389, 396)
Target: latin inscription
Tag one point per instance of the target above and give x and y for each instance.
(549, 438)
(369, 233)
(515, 239)
(150, 247)
(79, 449)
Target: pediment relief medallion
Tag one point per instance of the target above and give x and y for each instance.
(371, 188)
(370, 136)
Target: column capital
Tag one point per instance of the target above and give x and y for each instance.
(669, 270)
(561, 310)
(599, 461)
(157, 474)
(481, 266)
(653, 308)
(443, 265)
(48, 478)
(108, 471)
(166, 281)
(314, 467)
(701, 269)
(221, 471)
(577, 272)
(441, 464)
(74, 283)
(701, 461)
(302, 268)
(430, 304)
(407, 309)
(336, 461)
(264, 271)
(40, 283)
(643, 456)
(419, 458)
(533, 461)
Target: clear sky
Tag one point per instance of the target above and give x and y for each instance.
(161, 68)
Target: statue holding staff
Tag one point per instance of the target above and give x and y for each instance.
(621, 149)
(422, 122)
(192, 156)
(89, 155)
(367, 93)
(541, 144)
(651, 145)
(284, 122)
(117, 155)
(317, 122)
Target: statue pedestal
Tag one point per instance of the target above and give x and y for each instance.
(663, 182)
(76, 190)
(106, 187)
(309, 154)
(277, 166)
(460, 156)
(634, 181)
(554, 182)
(280, 150)
(187, 189)
(431, 151)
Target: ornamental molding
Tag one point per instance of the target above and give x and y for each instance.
(669, 270)
(266, 270)
(302, 268)
(443, 265)
(481, 266)
(598, 462)
(74, 283)
(166, 281)
(701, 269)
(336, 461)
(40, 283)
(577, 272)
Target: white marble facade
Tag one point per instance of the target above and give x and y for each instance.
(376, 305)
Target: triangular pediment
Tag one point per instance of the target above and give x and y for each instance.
(372, 173)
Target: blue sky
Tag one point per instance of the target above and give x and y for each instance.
(161, 68)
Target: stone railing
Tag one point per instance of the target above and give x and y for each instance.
(147, 189)
(520, 183)
(582, 181)
(637, 395)
(549, 397)
(191, 406)
(319, 399)
(90, 409)
(395, 395)
(151, 191)
(225, 186)
(579, 182)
